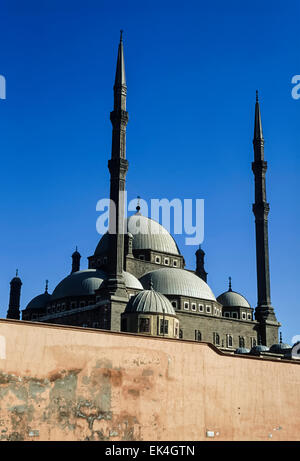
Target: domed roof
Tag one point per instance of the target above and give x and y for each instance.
(280, 348)
(169, 281)
(232, 299)
(149, 301)
(256, 350)
(147, 234)
(85, 282)
(16, 281)
(79, 283)
(131, 281)
(242, 350)
(39, 302)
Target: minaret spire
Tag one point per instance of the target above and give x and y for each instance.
(264, 312)
(118, 166)
(120, 78)
(258, 132)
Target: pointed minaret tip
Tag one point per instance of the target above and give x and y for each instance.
(120, 79)
(258, 132)
(46, 287)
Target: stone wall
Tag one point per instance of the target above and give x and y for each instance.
(208, 325)
(68, 383)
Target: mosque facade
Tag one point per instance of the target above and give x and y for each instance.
(139, 283)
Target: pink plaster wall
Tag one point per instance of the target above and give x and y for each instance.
(66, 383)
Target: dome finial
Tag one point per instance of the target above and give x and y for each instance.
(280, 335)
(17, 271)
(46, 288)
(138, 207)
(229, 289)
(151, 283)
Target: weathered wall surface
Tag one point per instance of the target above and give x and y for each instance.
(64, 383)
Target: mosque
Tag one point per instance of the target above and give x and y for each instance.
(138, 283)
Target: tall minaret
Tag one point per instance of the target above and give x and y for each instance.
(264, 312)
(118, 166)
(14, 298)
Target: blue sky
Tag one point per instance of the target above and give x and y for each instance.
(192, 70)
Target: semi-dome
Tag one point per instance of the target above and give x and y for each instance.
(39, 302)
(169, 281)
(232, 299)
(85, 282)
(147, 234)
(80, 283)
(151, 302)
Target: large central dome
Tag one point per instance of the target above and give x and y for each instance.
(147, 234)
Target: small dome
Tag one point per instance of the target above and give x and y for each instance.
(242, 350)
(232, 299)
(256, 350)
(280, 348)
(149, 301)
(147, 234)
(79, 283)
(169, 281)
(39, 302)
(131, 281)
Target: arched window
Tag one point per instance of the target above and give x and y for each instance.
(144, 325)
(198, 335)
(164, 327)
(216, 339)
(241, 341)
(229, 341)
